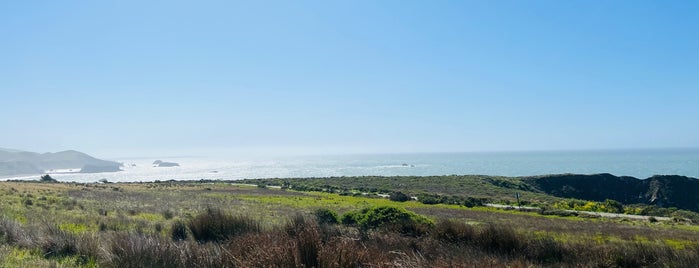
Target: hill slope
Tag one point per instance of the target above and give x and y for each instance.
(14, 162)
(664, 191)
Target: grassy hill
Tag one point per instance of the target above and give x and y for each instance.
(661, 191)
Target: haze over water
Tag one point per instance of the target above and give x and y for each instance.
(637, 163)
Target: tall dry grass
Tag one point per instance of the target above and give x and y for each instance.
(219, 239)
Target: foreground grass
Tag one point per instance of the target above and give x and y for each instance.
(165, 225)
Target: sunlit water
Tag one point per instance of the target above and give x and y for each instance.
(637, 163)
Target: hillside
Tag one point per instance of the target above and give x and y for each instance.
(14, 162)
(664, 191)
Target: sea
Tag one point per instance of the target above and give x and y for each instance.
(636, 163)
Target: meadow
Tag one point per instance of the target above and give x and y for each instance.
(219, 224)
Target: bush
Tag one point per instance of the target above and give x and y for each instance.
(215, 225)
(499, 238)
(57, 243)
(429, 199)
(453, 231)
(11, 232)
(472, 202)
(350, 218)
(324, 215)
(392, 218)
(613, 206)
(168, 214)
(47, 178)
(178, 231)
(398, 197)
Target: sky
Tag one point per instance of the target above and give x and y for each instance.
(129, 78)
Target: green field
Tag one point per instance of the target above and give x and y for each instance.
(216, 224)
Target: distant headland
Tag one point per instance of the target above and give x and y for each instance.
(17, 162)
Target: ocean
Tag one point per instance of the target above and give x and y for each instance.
(637, 163)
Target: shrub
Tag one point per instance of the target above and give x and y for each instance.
(178, 231)
(398, 197)
(453, 231)
(613, 206)
(351, 218)
(215, 225)
(168, 214)
(57, 243)
(472, 202)
(324, 215)
(544, 249)
(429, 199)
(499, 238)
(11, 232)
(391, 218)
(47, 178)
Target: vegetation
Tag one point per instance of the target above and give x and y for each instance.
(593, 193)
(398, 196)
(326, 216)
(178, 224)
(390, 218)
(47, 178)
(608, 205)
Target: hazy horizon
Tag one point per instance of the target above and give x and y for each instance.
(130, 78)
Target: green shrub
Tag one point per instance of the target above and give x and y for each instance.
(351, 218)
(429, 199)
(391, 218)
(324, 215)
(398, 197)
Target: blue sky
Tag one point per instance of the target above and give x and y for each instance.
(313, 77)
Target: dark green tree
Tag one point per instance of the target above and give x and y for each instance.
(47, 178)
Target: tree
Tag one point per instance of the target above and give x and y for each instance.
(47, 178)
